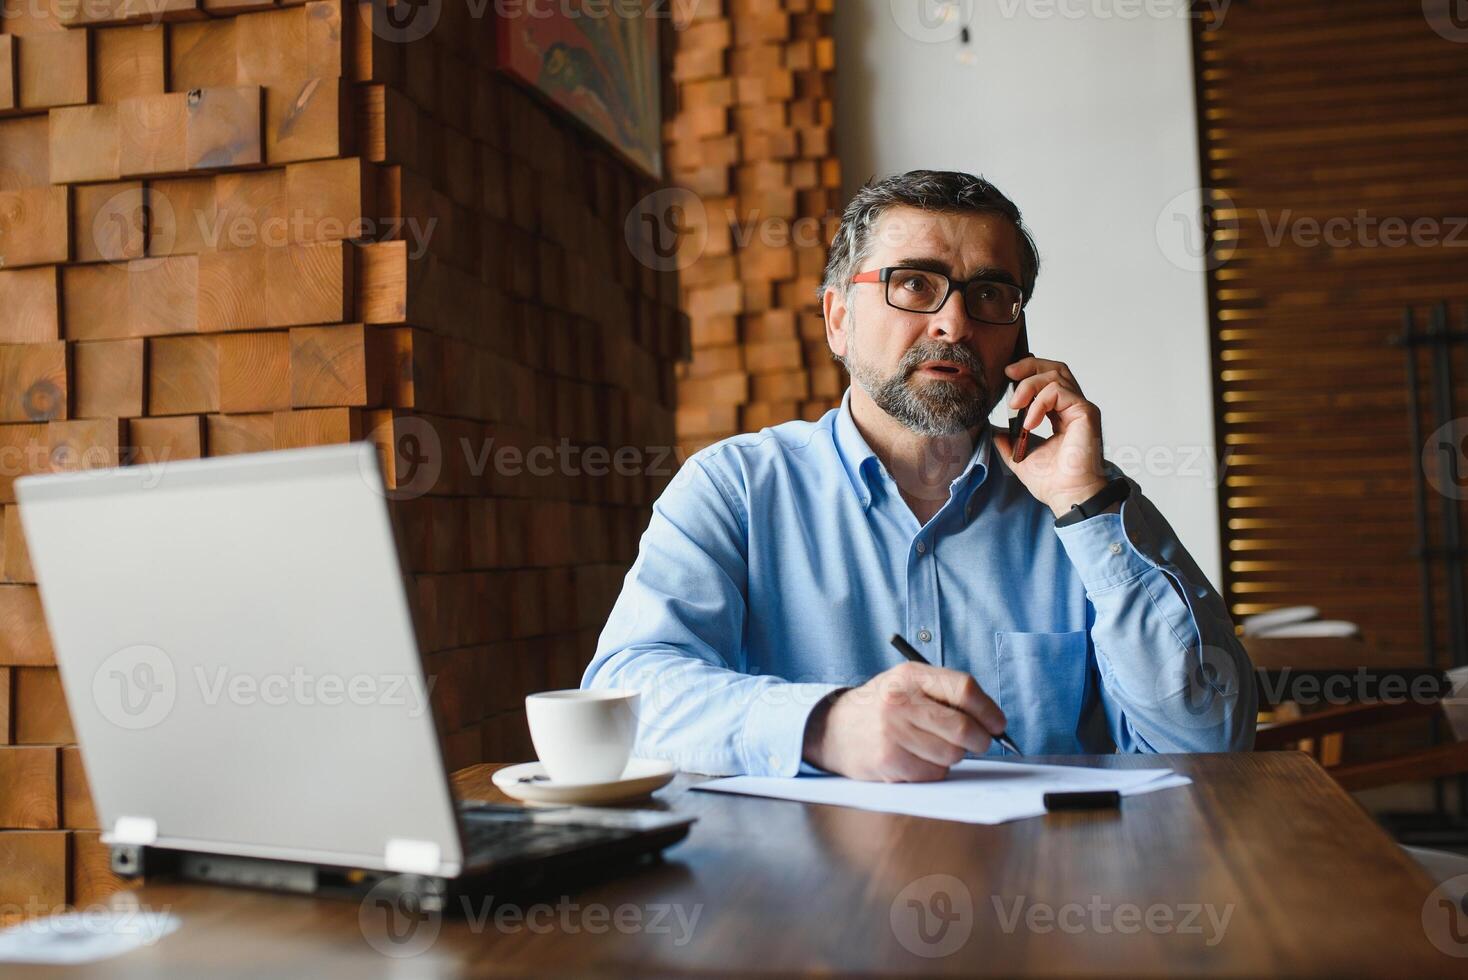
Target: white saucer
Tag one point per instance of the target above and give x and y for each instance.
(639, 779)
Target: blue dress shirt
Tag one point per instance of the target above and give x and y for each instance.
(778, 563)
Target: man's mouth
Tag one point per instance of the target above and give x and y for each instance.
(948, 369)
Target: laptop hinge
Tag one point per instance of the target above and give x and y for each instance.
(134, 830)
(419, 857)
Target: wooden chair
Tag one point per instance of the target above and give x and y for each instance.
(1311, 733)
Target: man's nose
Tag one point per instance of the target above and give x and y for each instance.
(951, 322)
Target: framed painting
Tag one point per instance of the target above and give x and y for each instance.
(596, 60)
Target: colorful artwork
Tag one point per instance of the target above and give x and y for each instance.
(601, 65)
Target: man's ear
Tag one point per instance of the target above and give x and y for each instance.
(833, 305)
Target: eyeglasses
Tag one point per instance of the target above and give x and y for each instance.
(925, 291)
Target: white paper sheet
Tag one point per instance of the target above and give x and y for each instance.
(976, 790)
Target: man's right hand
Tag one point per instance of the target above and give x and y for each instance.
(907, 724)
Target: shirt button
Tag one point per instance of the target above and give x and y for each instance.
(921, 548)
(1116, 547)
(925, 636)
(774, 761)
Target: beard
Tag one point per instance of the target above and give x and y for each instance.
(929, 406)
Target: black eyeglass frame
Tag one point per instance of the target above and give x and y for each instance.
(884, 276)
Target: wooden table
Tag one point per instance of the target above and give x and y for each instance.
(1309, 886)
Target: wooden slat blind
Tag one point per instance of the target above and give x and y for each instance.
(1315, 116)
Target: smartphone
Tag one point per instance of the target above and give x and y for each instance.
(1019, 437)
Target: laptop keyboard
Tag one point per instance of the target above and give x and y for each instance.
(497, 837)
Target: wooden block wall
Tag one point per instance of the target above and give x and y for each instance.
(752, 139)
(242, 227)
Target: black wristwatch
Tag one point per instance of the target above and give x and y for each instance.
(1114, 492)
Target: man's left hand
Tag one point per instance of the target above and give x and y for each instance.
(1067, 468)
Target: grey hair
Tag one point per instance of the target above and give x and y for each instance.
(943, 191)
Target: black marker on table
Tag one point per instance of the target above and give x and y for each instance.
(910, 652)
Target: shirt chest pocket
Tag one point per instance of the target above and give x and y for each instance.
(1042, 680)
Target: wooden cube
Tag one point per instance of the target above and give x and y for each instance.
(161, 440)
(129, 62)
(85, 144)
(31, 303)
(34, 228)
(33, 382)
(109, 378)
(29, 787)
(254, 371)
(41, 717)
(183, 376)
(109, 221)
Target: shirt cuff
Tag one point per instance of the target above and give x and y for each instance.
(774, 729)
(1104, 549)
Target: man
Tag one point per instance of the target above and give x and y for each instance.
(755, 621)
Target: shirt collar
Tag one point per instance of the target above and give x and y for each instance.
(866, 472)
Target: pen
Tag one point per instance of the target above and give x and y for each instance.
(910, 652)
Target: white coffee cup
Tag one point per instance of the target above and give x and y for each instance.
(583, 736)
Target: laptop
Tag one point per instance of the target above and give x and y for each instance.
(239, 660)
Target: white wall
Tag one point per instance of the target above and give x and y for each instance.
(1087, 123)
